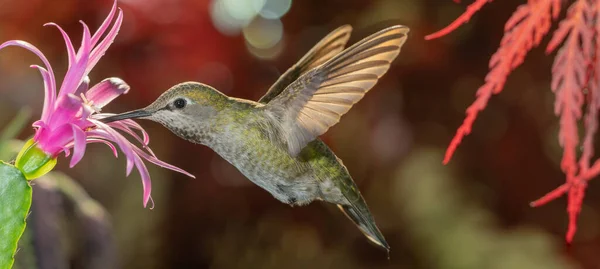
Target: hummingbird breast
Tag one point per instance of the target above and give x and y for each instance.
(247, 142)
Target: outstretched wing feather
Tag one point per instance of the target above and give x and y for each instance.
(327, 48)
(313, 103)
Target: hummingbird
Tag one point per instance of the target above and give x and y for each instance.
(274, 142)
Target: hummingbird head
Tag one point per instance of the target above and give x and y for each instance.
(185, 109)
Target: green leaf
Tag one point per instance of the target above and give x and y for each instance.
(15, 201)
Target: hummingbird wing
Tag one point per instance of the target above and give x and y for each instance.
(328, 47)
(314, 102)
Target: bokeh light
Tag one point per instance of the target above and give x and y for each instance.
(263, 33)
(275, 9)
(264, 37)
(258, 20)
(230, 16)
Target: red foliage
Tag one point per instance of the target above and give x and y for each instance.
(523, 30)
(575, 82)
(569, 78)
(462, 19)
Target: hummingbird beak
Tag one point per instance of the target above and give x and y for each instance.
(140, 113)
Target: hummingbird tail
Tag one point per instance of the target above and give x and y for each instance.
(366, 224)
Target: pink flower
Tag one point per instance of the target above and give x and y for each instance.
(70, 119)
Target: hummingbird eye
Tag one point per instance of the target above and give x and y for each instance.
(179, 103)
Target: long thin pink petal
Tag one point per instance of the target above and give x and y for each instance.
(129, 126)
(107, 90)
(136, 126)
(97, 139)
(69, 45)
(77, 72)
(50, 94)
(67, 152)
(47, 85)
(160, 163)
(151, 202)
(101, 133)
(99, 51)
(98, 34)
(40, 130)
(128, 166)
(110, 145)
(38, 124)
(125, 145)
(79, 141)
(146, 183)
(126, 129)
(129, 123)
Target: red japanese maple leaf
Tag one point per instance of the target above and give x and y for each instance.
(575, 82)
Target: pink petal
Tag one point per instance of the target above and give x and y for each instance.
(47, 85)
(50, 94)
(40, 130)
(69, 45)
(67, 152)
(125, 145)
(146, 183)
(128, 167)
(66, 109)
(77, 71)
(134, 125)
(105, 24)
(135, 156)
(38, 124)
(107, 90)
(84, 86)
(131, 124)
(56, 140)
(126, 129)
(99, 51)
(128, 158)
(79, 140)
(151, 202)
(110, 145)
(160, 163)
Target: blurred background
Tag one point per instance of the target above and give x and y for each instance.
(472, 213)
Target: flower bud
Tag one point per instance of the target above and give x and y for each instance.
(33, 162)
